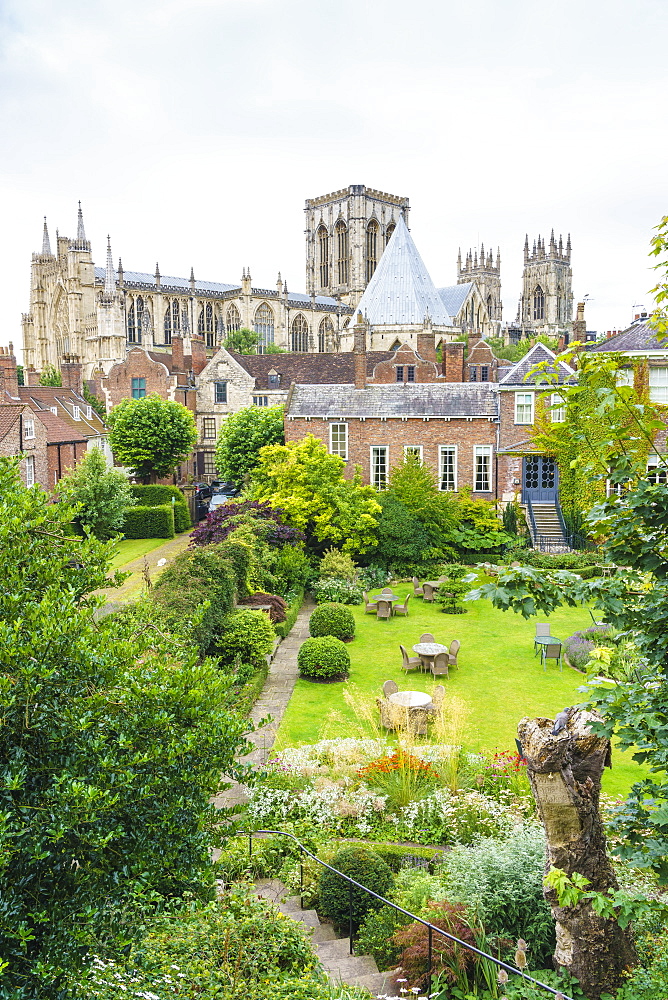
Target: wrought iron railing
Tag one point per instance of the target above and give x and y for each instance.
(431, 928)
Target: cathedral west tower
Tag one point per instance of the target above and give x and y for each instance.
(346, 234)
(546, 305)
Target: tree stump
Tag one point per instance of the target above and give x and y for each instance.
(565, 774)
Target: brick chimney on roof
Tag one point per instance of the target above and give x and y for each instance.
(9, 373)
(453, 361)
(178, 364)
(31, 376)
(198, 350)
(359, 352)
(426, 342)
(72, 374)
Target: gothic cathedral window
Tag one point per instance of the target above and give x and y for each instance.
(205, 324)
(490, 307)
(388, 232)
(323, 256)
(299, 334)
(325, 331)
(371, 249)
(264, 326)
(342, 252)
(167, 325)
(232, 320)
(538, 303)
(135, 317)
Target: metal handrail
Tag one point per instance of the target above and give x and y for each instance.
(431, 927)
(532, 521)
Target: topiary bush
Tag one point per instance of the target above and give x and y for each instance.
(156, 495)
(366, 868)
(149, 522)
(332, 619)
(324, 658)
(337, 564)
(336, 589)
(245, 634)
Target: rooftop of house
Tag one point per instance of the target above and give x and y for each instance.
(42, 398)
(9, 415)
(305, 368)
(638, 337)
(432, 400)
(518, 374)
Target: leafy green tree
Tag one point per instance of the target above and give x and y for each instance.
(51, 376)
(308, 484)
(98, 404)
(400, 535)
(112, 745)
(101, 494)
(414, 485)
(241, 437)
(151, 435)
(515, 352)
(243, 341)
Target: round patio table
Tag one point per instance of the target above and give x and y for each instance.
(410, 699)
(384, 597)
(427, 651)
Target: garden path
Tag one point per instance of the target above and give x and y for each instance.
(273, 701)
(131, 588)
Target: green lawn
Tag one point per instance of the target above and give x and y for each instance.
(498, 677)
(133, 548)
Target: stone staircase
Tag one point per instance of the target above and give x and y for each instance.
(332, 952)
(548, 527)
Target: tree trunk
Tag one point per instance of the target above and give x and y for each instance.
(565, 774)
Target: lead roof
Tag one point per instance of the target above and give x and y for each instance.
(426, 399)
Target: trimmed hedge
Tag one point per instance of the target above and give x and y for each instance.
(326, 658)
(366, 868)
(292, 610)
(157, 496)
(399, 856)
(332, 619)
(149, 522)
(246, 634)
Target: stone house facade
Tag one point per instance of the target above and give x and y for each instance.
(21, 433)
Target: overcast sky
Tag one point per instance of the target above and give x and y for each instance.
(193, 130)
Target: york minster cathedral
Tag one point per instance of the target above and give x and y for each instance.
(360, 259)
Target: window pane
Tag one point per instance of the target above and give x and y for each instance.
(448, 468)
(209, 427)
(558, 412)
(400, 373)
(209, 463)
(339, 440)
(483, 460)
(658, 385)
(260, 401)
(410, 377)
(221, 392)
(484, 373)
(30, 471)
(379, 467)
(523, 408)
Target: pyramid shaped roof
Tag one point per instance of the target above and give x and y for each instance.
(400, 292)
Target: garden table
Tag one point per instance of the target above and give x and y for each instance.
(374, 598)
(410, 699)
(427, 651)
(544, 640)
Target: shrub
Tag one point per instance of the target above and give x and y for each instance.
(578, 650)
(376, 936)
(325, 658)
(292, 610)
(276, 603)
(372, 576)
(103, 493)
(247, 634)
(332, 619)
(366, 868)
(227, 518)
(560, 560)
(335, 563)
(154, 496)
(292, 569)
(449, 959)
(336, 590)
(401, 536)
(149, 522)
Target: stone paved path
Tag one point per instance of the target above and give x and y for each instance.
(273, 701)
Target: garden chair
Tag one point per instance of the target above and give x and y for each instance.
(370, 607)
(427, 637)
(409, 662)
(417, 589)
(386, 590)
(402, 609)
(452, 652)
(384, 609)
(542, 629)
(440, 664)
(438, 697)
(390, 687)
(428, 594)
(551, 652)
(594, 619)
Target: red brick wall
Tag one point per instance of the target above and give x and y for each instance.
(137, 364)
(385, 372)
(363, 434)
(62, 457)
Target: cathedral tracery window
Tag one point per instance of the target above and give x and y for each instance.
(371, 249)
(205, 324)
(388, 232)
(232, 320)
(490, 306)
(342, 252)
(135, 313)
(323, 255)
(167, 324)
(538, 303)
(325, 333)
(264, 326)
(299, 334)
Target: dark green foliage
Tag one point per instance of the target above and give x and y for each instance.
(324, 658)
(560, 560)
(292, 611)
(20, 374)
(98, 404)
(376, 936)
(401, 537)
(112, 744)
(102, 494)
(364, 867)
(292, 569)
(449, 595)
(398, 856)
(245, 634)
(510, 518)
(149, 522)
(449, 959)
(332, 619)
(153, 496)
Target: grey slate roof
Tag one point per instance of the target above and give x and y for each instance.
(639, 337)
(454, 296)
(141, 279)
(312, 369)
(419, 400)
(400, 292)
(538, 353)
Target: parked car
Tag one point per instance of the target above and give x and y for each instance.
(222, 494)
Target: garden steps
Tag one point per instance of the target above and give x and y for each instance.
(332, 952)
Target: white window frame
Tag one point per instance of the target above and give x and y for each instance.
(558, 408)
(89, 413)
(260, 400)
(413, 448)
(54, 409)
(76, 413)
(209, 465)
(482, 451)
(624, 377)
(442, 449)
(655, 466)
(373, 478)
(29, 428)
(528, 401)
(658, 387)
(340, 450)
(30, 470)
(206, 426)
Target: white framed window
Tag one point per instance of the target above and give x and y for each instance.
(76, 413)
(379, 466)
(28, 428)
(338, 440)
(30, 470)
(624, 377)
(54, 409)
(558, 408)
(208, 427)
(482, 465)
(658, 385)
(260, 400)
(523, 407)
(447, 465)
(657, 470)
(413, 449)
(89, 412)
(209, 463)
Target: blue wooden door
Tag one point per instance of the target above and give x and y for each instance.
(540, 479)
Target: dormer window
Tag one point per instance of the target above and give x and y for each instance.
(76, 413)
(484, 373)
(473, 373)
(54, 409)
(89, 413)
(273, 380)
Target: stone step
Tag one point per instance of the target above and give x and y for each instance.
(292, 904)
(378, 982)
(348, 970)
(323, 933)
(307, 917)
(334, 949)
(270, 888)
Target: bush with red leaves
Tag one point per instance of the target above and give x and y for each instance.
(448, 959)
(229, 516)
(278, 605)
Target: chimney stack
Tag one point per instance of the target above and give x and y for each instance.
(31, 376)
(359, 352)
(72, 374)
(9, 373)
(426, 341)
(198, 351)
(178, 364)
(453, 361)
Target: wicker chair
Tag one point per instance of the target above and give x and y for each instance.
(391, 716)
(384, 608)
(427, 637)
(428, 593)
(440, 664)
(370, 607)
(390, 687)
(551, 652)
(453, 651)
(417, 589)
(402, 609)
(438, 696)
(409, 662)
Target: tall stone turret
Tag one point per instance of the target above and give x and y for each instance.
(546, 305)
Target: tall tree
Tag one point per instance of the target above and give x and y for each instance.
(112, 744)
(243, 341)
(241, 437)
(101, 494)
(151, 435)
